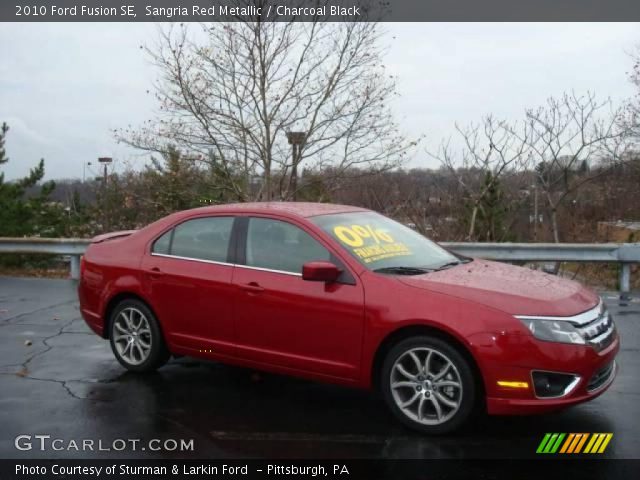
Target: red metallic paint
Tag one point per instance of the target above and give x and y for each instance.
(320, 272)
(518, 291)
(309, 326)
(333, 331)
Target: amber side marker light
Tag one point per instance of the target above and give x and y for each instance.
(508, 384)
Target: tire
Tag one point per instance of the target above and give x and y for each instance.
(420, 401)
(135, 337)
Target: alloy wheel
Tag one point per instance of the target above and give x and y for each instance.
(426, 386)
(132, 336)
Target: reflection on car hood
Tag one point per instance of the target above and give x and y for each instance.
(515, 290)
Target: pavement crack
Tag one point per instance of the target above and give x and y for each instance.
(8, 320)
(62, 383)
(77, 319)
(20, 324)
(44, 342)
(24, 372)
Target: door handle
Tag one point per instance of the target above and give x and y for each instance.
(252, 287)
(155, 272)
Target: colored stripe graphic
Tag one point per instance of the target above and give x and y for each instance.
(573, 443)
(606, 442)
(583, 439)
(555, 447)
(543, 443)
(577, 439)
(567, 442)
(593, 439)
(598, 443)
(550, 443)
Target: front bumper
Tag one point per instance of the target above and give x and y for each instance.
(510, 406)
(596, 371)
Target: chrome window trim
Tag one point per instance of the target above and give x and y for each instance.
(226, 264)
(270, 270)
(201, 260)
(579, 319)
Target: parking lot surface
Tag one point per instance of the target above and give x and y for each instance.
(57, 378)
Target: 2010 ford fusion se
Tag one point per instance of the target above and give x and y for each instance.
(345, 295)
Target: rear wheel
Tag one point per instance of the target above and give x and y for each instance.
(428, 385)
(135, 336)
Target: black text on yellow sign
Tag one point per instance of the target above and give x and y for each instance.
(368, 243)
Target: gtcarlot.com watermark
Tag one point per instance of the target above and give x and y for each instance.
(45, 443)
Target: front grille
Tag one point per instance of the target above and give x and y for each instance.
(601, 377)
(599, 332)
(595, 325)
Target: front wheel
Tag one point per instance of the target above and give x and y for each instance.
(428, 385)
(136, 339)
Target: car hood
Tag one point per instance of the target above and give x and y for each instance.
(514, 290)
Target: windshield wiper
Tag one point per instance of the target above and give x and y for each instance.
(444, 266)
(403, 270)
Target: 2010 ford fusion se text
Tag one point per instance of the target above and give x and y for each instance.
(345, 295)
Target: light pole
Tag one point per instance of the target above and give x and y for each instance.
(535, 213)
(296, 140)
(84, 170)
(105, 161)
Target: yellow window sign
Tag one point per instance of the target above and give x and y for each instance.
(368, 243)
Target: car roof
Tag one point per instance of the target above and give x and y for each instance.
(299, 209)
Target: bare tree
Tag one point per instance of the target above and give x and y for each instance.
(567, 136)
(232, 91)
(493, 147)
(633, 106)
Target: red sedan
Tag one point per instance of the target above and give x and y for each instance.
(345, 295)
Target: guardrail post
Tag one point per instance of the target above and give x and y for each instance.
(75, 267)
(625, 279)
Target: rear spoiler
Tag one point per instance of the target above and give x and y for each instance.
(111, 235)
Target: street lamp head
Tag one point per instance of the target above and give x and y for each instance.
(105, 159)
(296, 138)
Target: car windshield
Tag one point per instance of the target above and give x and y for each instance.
(385, 246)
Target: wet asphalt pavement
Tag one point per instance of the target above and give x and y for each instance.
(59, 379)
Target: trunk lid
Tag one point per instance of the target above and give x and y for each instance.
(112, 235)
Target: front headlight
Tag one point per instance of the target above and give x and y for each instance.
(554, 330)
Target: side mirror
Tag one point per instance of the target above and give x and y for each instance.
(320, 271)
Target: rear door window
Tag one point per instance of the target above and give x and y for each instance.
(162, 244)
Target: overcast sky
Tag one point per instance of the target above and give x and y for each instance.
(63, 87)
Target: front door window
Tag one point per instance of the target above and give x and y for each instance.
(277, 245)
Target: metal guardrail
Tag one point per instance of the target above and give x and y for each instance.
(624, 254)
(74, 247)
